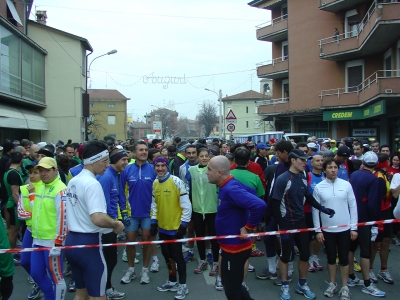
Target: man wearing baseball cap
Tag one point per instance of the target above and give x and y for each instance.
(368, 192)
(261, 157)
(346, 167)
(333, 146)
(49, 229)
(288, 196)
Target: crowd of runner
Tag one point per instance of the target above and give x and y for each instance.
(101, 192)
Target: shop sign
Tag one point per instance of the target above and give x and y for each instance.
(375, 109)
(370, 111)
(338, 115)
(364, 132)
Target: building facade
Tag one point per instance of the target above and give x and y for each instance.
(245, 108)
(140, 130)
(163, 122)
(65, 77)
(335, 67)
(108, 114)
(22, 76)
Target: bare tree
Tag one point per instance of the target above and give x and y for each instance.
(95, 125)
(168, 123)
(182, 127)
(207, 116)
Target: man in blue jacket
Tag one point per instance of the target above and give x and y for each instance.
(110, 183)
(239, 212)
(139, 177)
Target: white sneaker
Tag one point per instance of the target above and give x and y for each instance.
(373, 290)
(144, 279)
(128, 277)
(331, 290)
(113, 294)
(185, 249)
(154, 266)
(372, 276)
(125, 257)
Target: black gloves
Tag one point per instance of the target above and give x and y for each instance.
(180, 232)
(153, 229)
(327, 211)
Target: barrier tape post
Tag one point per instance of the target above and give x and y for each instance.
(18, 250)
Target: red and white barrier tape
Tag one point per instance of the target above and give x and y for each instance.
(17, 250)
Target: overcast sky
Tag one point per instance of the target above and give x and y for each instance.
(166, 38)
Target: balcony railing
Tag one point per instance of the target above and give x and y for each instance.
(268, 30)
(272, 101)
(273, 61)
(363, 85)
(338, 5)
(381, 82)
(349, 42)
(274, 68)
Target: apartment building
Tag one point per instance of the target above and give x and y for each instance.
(22, 76)
(335, 67)
(108, 114)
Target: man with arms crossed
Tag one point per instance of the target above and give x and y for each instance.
(140, 177)
(88, 220)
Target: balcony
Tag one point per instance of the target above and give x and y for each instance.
(381, 84)
(273, 31)
(377, 32)
(266, 4)
(338, 5)
(273, 106)
(275, 69)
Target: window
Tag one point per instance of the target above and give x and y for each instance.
(247, 124)
(111, 105)
(10, 77)
(247, 109)
(91, 105)
(284, 11)
(285, 89)
(285, 50)
(137, 131)
(32, 73)
(351, 23)
(388, 63)
(21, 68)
(145, 132)
(111, 119)
(354, 75)
(90, 118)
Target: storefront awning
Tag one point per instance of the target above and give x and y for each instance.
(21, 118)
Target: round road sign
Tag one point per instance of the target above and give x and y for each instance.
(230, 127)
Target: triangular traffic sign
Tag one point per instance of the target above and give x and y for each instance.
(230, 115)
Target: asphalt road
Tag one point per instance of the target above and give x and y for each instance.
(201, 286)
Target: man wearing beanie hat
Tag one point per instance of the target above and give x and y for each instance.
(367, 191)
(109, 183)
(170, 214)
(346, 167)
(180, 158)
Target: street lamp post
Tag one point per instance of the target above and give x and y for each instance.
(88, 76)
(219, 95)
